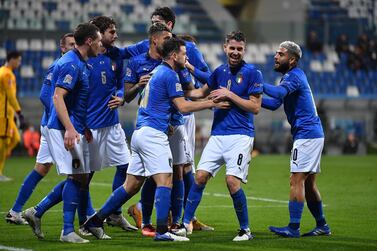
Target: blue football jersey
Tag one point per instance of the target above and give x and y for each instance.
(299, 106)
(156, 104)
(245, 81)
(71, 73)
(106, 79)
(143, 64)
(45, 96)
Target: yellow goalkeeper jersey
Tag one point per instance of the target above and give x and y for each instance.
(8, 100)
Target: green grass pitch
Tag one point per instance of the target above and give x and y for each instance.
(348, 185)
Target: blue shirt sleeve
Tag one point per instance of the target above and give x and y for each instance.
(202, 76)
(256, 85)
(174, 87)
(212, 81)
(290, 83)
(271, 103)
(131, 72)
(278, 92)
(68, 75)
(184, 78)
(135, 49)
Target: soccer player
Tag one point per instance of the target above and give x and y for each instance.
(151, 155)
(9, 136)
(138, 73)
(232, 134)
(294, 91)
(44, 159)
(166, 16)
(106, 91)
(67, 124)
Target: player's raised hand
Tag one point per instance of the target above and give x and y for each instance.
(71, 136)
(115, 102)
(144, 80)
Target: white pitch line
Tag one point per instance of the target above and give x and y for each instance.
(14, 248)
(213, 194)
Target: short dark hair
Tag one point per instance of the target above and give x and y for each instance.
(170, 46)
(235, 35)
(166, 13)
(187, 37)
(13, 54)
(63, 38)
(102, 22)
(157, 28)
(84, 31)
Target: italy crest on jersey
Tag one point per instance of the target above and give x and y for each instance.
(239, 78)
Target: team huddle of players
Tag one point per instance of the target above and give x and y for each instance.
(81, 133)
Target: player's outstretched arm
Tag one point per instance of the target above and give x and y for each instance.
(252, 104)
(271, 103)
(198, 93)
(185, 106)
(277, 92)
(202, 76)
(71, 135)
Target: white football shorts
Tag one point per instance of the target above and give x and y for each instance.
(44, 155)
(108, 148)
(190, 143)
(232, 150)
(306, 155)
(150, 153)
(68, 162)
(178, 145)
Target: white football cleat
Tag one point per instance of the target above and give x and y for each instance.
(15, 218)
(243, 235)
(34, 222)
(72, 238)
(118, 220)
(169, 237)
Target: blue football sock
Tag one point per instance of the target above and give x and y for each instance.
(82, 207)
(90, 209)
(193, 200)
(316, 209)
(295, 212)
(27, 188)
(53, 198)
(188, 179)
(119, 178)
(240, 205)
(116, 200)
(162, 204)
(177, 195)
(71, 198)
(147, 200)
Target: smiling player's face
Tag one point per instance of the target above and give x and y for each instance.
(235, 51)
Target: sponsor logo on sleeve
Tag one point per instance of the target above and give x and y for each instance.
(67, 79)
(178, 87)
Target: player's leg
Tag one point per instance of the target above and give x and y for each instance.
(305, 159)
(120, 196)
(3, 154)
(237, 155)
(42, 167)
(314, 203)
(209, 164)
(177, 195)
(117, 153)
(14, 139)
(26, 189)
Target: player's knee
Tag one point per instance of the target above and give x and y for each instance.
(233, 183)
(42, 169)
(178, 172)
(202, 178)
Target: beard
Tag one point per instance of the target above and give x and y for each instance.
(282, 67)
(179, 66)
(92, 53)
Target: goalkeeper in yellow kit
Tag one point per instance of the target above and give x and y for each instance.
(9, 136)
